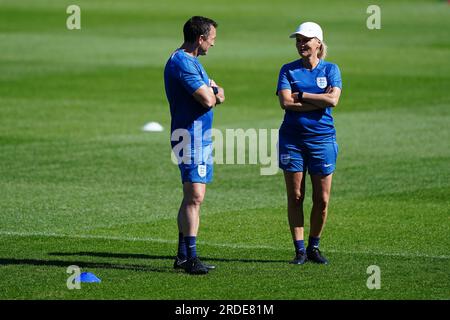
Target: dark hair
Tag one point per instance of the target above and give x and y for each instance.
(197, 26)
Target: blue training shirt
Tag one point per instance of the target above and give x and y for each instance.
(309, 125)
(183, 75)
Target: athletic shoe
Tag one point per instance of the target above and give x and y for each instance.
(195, 266)
(314, 255)
(182, 263)
(179, 263)
(300, 258)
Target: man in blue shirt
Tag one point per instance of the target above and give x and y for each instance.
(192, 96)
(308, 89)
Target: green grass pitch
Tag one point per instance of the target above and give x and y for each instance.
(81, 184)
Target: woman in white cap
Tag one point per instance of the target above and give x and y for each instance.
(308, 89)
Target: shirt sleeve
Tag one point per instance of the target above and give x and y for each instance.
(334, 77)
(190, 76)
(283, 80)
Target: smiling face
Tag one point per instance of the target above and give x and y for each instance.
(307, 47)
(207, 42)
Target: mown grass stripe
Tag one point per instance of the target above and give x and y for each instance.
(224, 245)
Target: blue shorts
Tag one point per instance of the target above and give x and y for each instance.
(198, 170)
(316, 157)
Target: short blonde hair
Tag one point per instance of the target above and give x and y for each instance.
(323, 51)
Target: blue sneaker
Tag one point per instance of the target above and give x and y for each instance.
(300, 258)
(195, 266)
(314, 255)
(179, 263)
(182, 264)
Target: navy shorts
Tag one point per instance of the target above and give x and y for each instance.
(318, 157)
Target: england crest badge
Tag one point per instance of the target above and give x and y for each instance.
(285, 158)
(201, 170)
(321, 82)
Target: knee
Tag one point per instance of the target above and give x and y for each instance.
(195, 199)
(321, 201)
(296, 197)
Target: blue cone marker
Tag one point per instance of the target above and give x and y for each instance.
(88, 277)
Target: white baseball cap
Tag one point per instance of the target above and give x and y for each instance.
(310, 30)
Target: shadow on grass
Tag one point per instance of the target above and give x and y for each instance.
(81, 264)
(151, 257)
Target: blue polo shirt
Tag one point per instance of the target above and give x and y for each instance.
(183, 75)
(310, 125)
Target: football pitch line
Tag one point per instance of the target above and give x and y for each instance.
(223, 245)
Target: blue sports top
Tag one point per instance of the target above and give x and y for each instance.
(183, 75)
(309, 125)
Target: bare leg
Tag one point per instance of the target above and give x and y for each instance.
(321, 196)
(189, 214)
(295, 188)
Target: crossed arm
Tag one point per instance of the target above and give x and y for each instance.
(309, 101)
(206, 97)
(288, 100)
